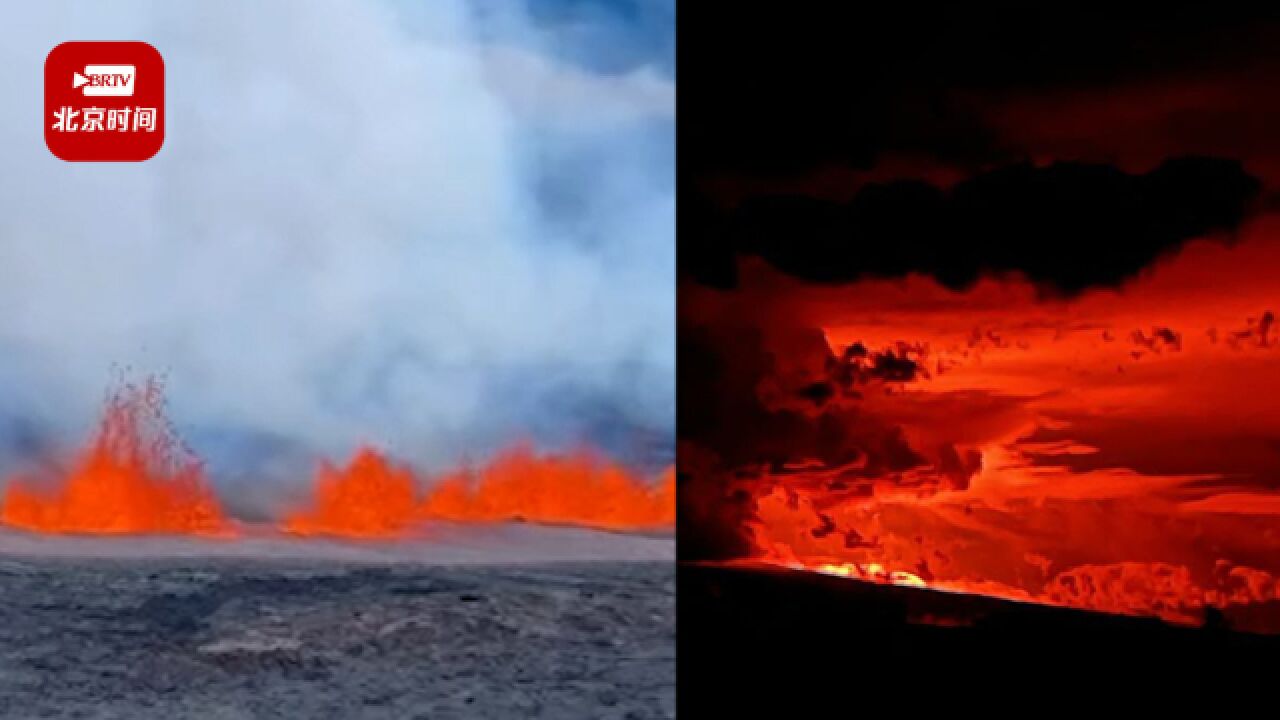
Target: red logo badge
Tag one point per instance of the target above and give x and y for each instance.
(104, 101)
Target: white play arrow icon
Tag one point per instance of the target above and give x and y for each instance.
(109, 80)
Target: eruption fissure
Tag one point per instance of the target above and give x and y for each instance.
(137, 477)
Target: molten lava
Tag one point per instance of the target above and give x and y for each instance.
(1114, 451)
(370, 497)
(135, 477)
(872, 572)
(560, 490)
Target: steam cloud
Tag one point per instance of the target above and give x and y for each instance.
(432, 227)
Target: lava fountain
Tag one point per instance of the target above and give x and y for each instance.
(368, 498)
(371, 497)
(576, 489)
(135, 477)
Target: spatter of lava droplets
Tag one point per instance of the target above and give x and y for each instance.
(135, 477)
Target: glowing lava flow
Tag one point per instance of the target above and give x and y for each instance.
(873, 572)
(135, 477)
(372, 498)
(1112, 451)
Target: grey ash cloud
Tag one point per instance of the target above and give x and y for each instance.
(346, 236)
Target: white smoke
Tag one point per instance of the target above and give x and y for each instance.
(362, 226)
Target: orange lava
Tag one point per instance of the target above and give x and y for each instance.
(368, 498)
(874, 572)
(373, 498)
(1113, 451)
(561, 490)
(135, 477)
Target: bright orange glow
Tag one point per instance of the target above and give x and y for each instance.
(368, 498)
(372, 498)
(563, 490)
(135, 477)
(1114, 451)
(874, 572)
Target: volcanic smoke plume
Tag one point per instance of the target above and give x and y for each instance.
(1113, 449)
(441, 227)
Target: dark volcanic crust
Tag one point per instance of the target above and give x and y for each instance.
(216, 639)
(800, 644)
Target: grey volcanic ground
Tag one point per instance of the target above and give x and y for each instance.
(481, 622)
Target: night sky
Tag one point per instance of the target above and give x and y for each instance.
(892, 140)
